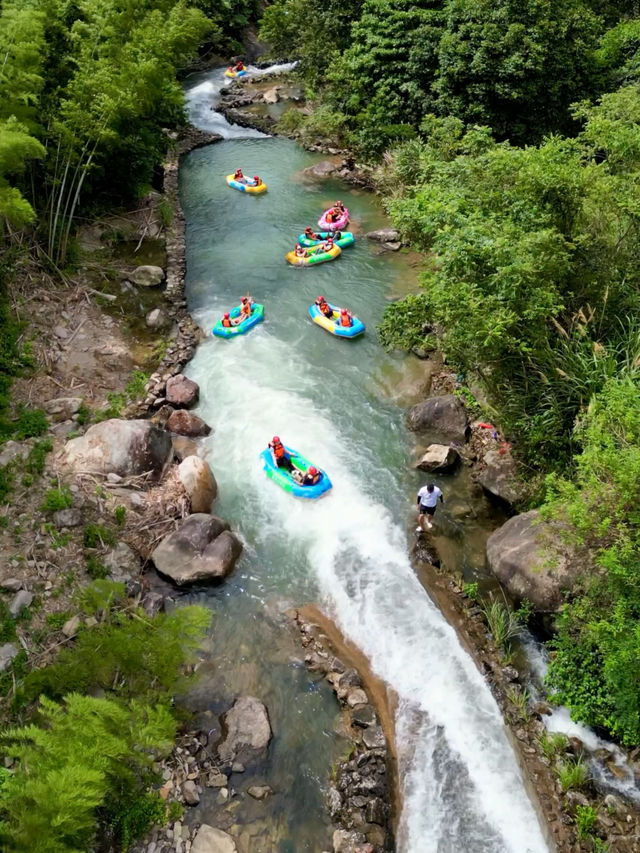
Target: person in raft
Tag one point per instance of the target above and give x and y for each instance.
(427, 504)
(280, 456)
(310, 234)
(338, 208)
(239, 66)
(239, 177)
(228, 321)
(346, 317)
(256, 181)
(327, 246)
(310, 478)
(245, 307)
(324, 308)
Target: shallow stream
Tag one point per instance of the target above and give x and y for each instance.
(340, 403)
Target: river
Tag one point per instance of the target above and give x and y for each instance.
(461, 787)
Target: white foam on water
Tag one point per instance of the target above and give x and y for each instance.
(462, 787)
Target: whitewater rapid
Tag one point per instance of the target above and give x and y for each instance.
(462, 789)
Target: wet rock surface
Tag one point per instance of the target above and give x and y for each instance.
(201, 549)
(443, 416)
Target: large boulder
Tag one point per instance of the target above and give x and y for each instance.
(201, 549)
(530, 558)
(211, 840)
(439, 457)
(247, 731)
(384, 235)
(126, 448)
(322, 169)
(147, 276)
(271, 96)
(183, 422)
(442, 416)
(181, 391)
(499, 477)
(199, 483)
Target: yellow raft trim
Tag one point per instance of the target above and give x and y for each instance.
(246, 188)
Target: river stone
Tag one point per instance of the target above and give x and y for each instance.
(198, 482)
(187, 423)
(123, 447)
(70, 627)
(210, 840)
(157, 319)
(347, 842)
(122, 561)
(530, 558)
(181, 391)
(11, 450)
(12, 584)
(147, 276)
(384, 235)
(183, 446)
(190, 793)
(63, 407)
(247, 730)
(202, 548)
(499, 477)
(259, 792)
(271, 96)
(439, 457)
(357, 696)
(444, 416)
(21, 600)
(373, 738)
(364, 716)
(322, 169)
(7, 653)
(70, 517)
(376, 811)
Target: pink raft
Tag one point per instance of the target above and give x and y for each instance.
(333, 226)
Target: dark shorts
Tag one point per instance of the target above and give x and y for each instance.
(427, 510)
(285, 462)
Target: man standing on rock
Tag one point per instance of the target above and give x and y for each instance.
(427, 504)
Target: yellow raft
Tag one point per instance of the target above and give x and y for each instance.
(313, 257)
(246, 188)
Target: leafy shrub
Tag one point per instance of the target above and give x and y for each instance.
(572, 774)
(95, 568)
(34, 464)
(55, 621)
(57, 499)
(502, 622)
(7, 624)
(586, 818)
(552, 743)
(30, 423)
(97, 536)
(100, 597)
(120, 514)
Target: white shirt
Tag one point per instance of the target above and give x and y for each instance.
(428, 498)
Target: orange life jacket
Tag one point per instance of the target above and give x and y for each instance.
(278, 450)
(226, 322)
(246, 310)
(345, 320)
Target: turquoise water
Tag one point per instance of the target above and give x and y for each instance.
(461, 787)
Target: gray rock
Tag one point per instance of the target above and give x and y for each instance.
(11, 450)
(334, 801)
(373, 738)
(152, 603)
(70, 627)
(190, 793)
(126, 448)
(442, 416)
(198, 482)
(12, 584)
(7, 653)
(122, 561)
(347, 842)
(187, 423)
(63, 407)
(183, 447)
(21, 600)
(157, 319)
(322, 169)
(376, 812)
(247, 730)
(357, 696)
(210, 840)
(259, 792)
(392, 247)
(181, 391)
(364, 716)
(271, 96)
(216, 780)
(439, 457)
(499, 477)
(350, 678)
(147, 276)
(532, 561)
(71, 517)
(384, 235)
(202, 548)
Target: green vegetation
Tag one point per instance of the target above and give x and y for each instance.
(97, 536)
(586, 818)
(572, 774)
(57, 499)
(503, 624)
(552, 743)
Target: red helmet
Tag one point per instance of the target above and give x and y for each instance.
(321, 299)
(256, 178)
(313, 470)
(226, 315)
(343, 310)
(243, 299)
(275, 439)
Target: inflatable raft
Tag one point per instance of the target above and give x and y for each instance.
(284, 479)
(232, 74)
(257, 316)
(333, 226)
(311, 258)
(333, 325)
(345, 239)
(246, 186)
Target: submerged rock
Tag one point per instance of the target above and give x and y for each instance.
(247, 730)
(181, 391)
(384, 235)
(322, 169)
(530, 558)
(444, 415)
(198, 482)
(439, 457)
(210, 840)
(259, 792)
(126, 448)
(147, 276)
(201, 549)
